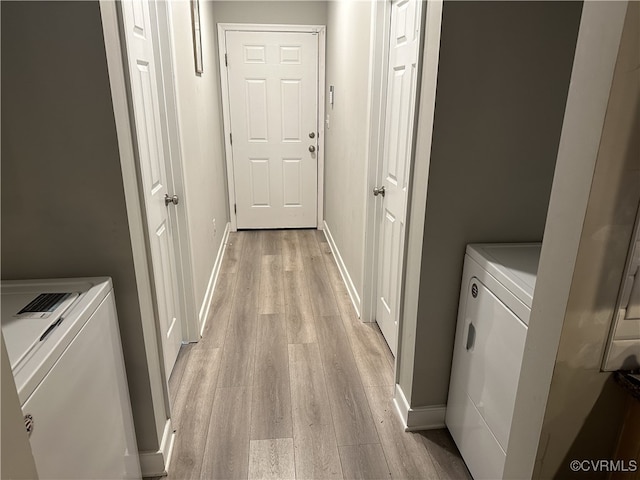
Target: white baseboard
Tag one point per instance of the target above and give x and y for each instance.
(421, 418)
(213, 279)
(351, 288)
(156, 464)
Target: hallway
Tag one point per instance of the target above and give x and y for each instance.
(287, 382)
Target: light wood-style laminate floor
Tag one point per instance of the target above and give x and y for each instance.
(287, 382)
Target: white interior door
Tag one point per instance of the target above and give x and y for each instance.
(398, 138)
(153, 167)
(273, 105)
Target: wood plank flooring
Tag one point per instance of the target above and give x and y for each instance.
(287, 382)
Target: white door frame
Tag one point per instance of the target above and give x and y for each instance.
(160, 30)
(223, 28)
(417, 195)
(152, 463)
(163, 35)
(378, 64)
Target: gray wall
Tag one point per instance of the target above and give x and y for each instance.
(63, 207)
(347, 138)
(502, 85)
(283, 12)
(585, 409)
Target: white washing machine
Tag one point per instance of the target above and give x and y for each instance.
(493, 316)
(64, 347)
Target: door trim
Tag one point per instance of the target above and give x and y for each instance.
(115, 56)
(419, 174)
(417, 202)
(223, 28)
(379, 62)
(179, 216)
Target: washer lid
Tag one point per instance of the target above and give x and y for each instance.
(28, 317)
(35, 339)
(515, 265)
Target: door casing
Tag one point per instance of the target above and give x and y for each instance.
(163, 35)
(149, 125)
(379, 63)
(224, 87)
(152, 462)
(419, 170)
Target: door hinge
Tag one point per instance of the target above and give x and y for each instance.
(226, 60)
(231, 138)
(235, 208)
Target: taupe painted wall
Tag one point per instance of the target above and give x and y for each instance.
(200, 118)
(502, 85)
(585, 409)
(347, 138)
(63, 207)
(301, 12)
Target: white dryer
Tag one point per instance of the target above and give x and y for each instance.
(64, 347)
(493, 316)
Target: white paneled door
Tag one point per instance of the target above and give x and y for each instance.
(273, 104)
(153, 166)
(398, 139)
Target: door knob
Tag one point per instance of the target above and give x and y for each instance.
(378, 191)
(312, 134)
(171, 199)
(312, 149)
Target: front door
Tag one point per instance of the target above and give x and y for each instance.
(273, 105)
(153, 166)
(398, 140)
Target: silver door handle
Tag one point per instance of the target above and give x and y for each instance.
(171, 199)
(312, 148)
(378, 191)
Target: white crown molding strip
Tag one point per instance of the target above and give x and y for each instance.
(351, 288)
(213, 279)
